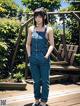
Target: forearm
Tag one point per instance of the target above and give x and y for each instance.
(28, 48)
(50, 49)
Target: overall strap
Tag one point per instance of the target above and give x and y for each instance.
(46, 36)
(34, 29)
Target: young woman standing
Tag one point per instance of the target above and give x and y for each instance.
(39, 55)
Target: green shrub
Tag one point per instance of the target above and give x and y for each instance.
(3, 57)
(77, 59)
(3, 50)
(9, 29)
(8, 8)
(20, 68)
(18, 76)
(58, 36)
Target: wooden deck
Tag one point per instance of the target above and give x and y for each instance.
(59, 98)
(67, 100)
(65, 94)
(70, 100)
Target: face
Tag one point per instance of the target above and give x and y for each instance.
(39, 20)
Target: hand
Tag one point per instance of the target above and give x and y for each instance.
(46, 57)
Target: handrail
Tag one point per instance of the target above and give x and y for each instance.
(74, 2)
(76, 16)
(29, 20)
(68, 12)
(17, 43)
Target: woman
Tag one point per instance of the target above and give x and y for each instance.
(39, 55)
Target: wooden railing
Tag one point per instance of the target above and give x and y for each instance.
(17, 43)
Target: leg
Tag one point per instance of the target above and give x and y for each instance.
(45, 71)
(36, 78)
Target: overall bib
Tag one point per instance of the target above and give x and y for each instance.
(39, 65)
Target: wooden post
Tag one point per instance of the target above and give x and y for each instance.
(15, 52)
(64, 40)
(26, 57)
(79, 37)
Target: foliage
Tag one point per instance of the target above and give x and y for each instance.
(77, 59)
(58, 35)
(3, 53)
(8, 8)
(18, 76)
(9, 29)
(73, 28)
(21, 67)
(48, 4)
(73, 24)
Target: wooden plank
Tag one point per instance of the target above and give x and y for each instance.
(73, 54)
(70, 51)
(61, 50)
(69, 100)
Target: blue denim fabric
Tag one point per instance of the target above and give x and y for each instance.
(40, 66)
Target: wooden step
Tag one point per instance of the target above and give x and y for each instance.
(56, 77)
(59, 63)
(65, 68)
(53, 78)
(30, 81)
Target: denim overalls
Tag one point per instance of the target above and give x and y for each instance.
(40, 66)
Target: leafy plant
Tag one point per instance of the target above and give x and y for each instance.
(8, 8)
(3, 57)
(9, 29)
(18, 76)
(48, 4)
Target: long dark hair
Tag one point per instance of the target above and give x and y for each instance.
(42, 13)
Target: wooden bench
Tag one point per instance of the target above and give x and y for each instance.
(71, 51)
(60, 67)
